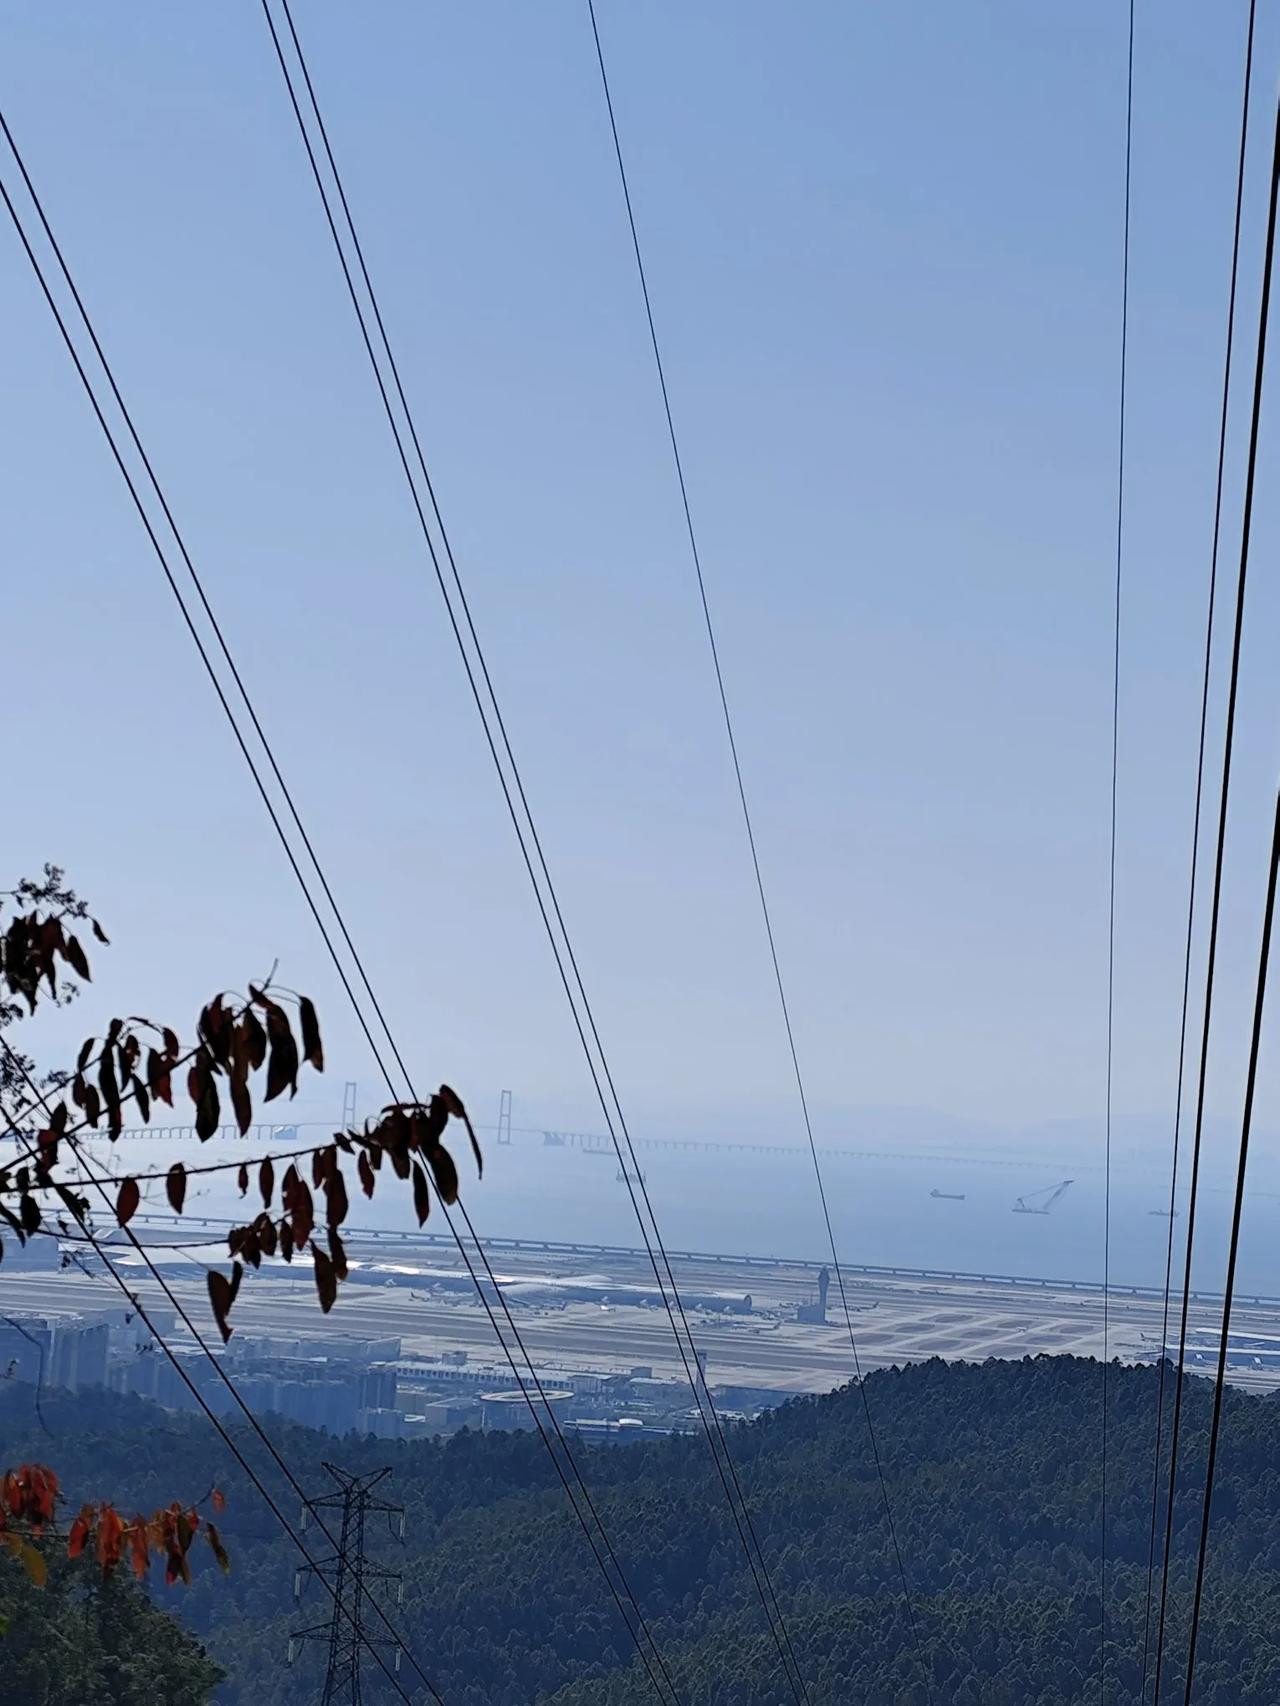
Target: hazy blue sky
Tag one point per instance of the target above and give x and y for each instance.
(884, 245)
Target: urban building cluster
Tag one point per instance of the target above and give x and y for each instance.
(341, 1384)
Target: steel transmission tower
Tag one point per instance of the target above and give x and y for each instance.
(348, 1573)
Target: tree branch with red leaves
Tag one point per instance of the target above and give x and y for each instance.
(254, 1044)
(29, 1500)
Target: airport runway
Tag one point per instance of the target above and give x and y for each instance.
(894, 1321)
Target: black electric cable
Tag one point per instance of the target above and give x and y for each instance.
(139, 1308)
(702, 1395)
(1195, 851)
(751, 841)
(1211, 964)
(1237, 1215)
(1111, 880)
(705, 1403)
(282, 836)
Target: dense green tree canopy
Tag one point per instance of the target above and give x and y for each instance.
(993, 1474)
(80, 1642)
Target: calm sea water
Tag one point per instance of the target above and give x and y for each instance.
(881, 1209)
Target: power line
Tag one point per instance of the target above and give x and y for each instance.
(1263, 966)
(1195, 847)
(345, 1639)
(140, 1309)
(1264, 962)
(282, 836)
(1111, 876)
(705, 1403)
(750, 831)
(697, 1386)
(1228, 745)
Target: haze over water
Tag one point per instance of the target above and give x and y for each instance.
(882, 1211)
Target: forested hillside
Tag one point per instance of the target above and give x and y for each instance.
(993, 1473)
(77, 1641)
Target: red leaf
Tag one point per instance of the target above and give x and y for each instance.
(282, 1060)
(337, 1253)
(207, 1106)
(255, 1038)
(110, 1090)
(444, 1172)
(326, 1279)
(138, 1548)
(158, 1077)
(215, 1031)
(335, 1199)
(110, 1538)
(218, 1499)
(243, 1179)
(241, 1103)
(248, 1245)
(222, 1294)
(217, 1548)
(175, 1185)
(73, 953)
(366, 1174)
(298, 1204)
(266, 1181)
(312, 1049)
(421, 1195)
(127, 1201)
(453, 1102)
